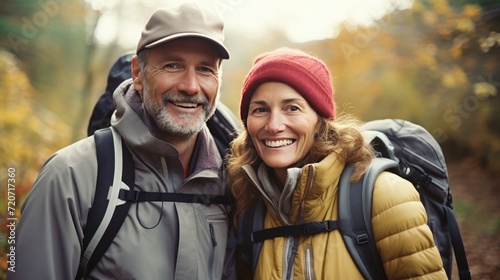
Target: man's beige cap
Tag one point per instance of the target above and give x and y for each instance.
(187, 20)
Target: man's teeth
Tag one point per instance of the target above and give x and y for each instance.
(279, 143)
(186, 105)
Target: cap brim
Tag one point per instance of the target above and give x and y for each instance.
(220, 47)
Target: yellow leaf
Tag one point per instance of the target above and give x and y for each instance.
(465, 25)
(472, 11)
(484, 89)
(455, 78)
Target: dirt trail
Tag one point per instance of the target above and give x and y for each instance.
(477, 207)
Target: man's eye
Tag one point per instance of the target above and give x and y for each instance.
(206, 70)
(171, 66)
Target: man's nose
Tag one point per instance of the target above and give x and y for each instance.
(189, 82)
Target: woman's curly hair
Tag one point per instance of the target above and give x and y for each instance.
(341, 136)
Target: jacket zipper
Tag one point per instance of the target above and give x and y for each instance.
(312, 173)
(212, 234)
(167, 176)
(292, 243)
(212, 253)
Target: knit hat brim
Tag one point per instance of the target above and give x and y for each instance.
(306, 74)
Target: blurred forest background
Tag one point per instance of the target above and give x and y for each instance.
(434, 62)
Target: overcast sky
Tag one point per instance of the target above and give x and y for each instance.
(301, 20)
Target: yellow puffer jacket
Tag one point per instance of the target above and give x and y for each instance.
(399, 222)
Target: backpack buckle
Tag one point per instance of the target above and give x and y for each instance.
(362, 238)
(317, 227)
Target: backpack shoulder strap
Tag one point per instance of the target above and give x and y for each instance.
(107, 213)
(258, 223)
(458, 245)
(355, 213)
(251, 220)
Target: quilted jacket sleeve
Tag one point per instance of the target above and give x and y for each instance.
(403, 238)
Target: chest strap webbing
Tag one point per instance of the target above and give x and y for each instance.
(142, 196)
(295, 230)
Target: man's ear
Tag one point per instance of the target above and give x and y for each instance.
(137, 75)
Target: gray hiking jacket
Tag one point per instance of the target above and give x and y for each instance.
(157, 240)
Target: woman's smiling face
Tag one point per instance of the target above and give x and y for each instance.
(281, 125)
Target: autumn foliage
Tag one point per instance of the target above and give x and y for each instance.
(435, 64)
(28, 136)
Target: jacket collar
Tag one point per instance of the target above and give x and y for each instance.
(277, 198)
(305, 187)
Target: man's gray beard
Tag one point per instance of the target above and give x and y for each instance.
(166, 122)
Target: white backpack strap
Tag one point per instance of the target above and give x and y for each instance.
(112, 197)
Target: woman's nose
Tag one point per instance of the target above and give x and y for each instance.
(276, 123)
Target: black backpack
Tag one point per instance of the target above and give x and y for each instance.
(115, 165)
(403, 148)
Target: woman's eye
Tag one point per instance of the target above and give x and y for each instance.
(259, 110)
(294, 108)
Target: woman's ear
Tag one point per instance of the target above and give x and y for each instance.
(137, 75)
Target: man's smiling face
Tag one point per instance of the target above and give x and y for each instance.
(179, 86)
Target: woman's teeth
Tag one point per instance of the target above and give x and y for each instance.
(279, 143)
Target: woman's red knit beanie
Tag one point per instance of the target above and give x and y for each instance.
(306, 74)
